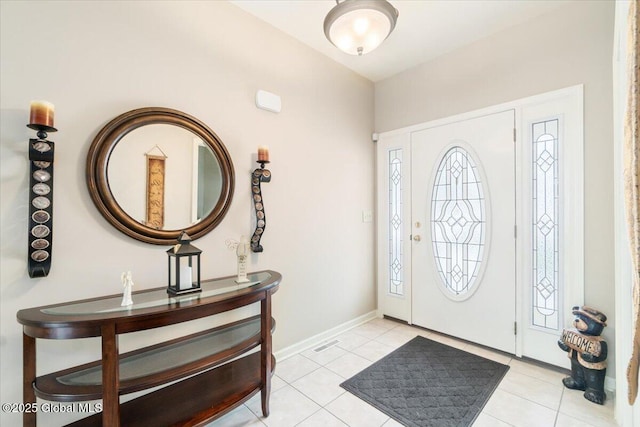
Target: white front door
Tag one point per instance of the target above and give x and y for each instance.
(462, 225)
(477, 300)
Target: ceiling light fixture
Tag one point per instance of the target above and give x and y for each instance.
(359, 26)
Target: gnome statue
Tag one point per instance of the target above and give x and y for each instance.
(588, 353)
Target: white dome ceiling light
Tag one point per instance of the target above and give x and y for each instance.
(359, 26)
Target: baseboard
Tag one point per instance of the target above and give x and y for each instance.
(313, 341)
(610, 385)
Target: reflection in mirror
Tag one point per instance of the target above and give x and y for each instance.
(192, 178)
(154, 172)
(207, 181)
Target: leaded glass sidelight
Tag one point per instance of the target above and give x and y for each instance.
(545, 233)
(396, 282)
(458, 222)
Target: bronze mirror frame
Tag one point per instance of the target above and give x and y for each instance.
(98, 182)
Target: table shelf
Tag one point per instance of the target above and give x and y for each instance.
(155, 365)
(185, 404)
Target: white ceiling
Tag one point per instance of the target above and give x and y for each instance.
(425, 28)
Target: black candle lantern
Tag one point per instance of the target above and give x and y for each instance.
(184, 267)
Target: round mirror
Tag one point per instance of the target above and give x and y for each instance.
(153, 172)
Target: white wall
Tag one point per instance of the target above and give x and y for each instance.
(96, 60)
(569, 46)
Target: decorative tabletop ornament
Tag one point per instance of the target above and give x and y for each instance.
(588, 353)
(184, 267)
(127, 284)
(242, 253)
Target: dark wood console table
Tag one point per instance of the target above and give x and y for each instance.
(220, 375)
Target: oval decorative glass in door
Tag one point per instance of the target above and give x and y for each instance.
(458, 223)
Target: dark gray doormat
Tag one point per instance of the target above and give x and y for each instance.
(425, 383)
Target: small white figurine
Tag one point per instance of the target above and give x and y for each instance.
(127, 283)
(242, 252)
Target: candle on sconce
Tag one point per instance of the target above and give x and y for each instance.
(263, 153)
(41, 113)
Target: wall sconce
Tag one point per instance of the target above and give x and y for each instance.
(184, 267)
(359, 26)
(41, 189)
(259, 176)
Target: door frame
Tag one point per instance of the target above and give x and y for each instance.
(573, 231)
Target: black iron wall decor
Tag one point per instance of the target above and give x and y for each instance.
(259, 176)
(40, 190)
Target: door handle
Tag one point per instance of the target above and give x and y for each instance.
(416, 238)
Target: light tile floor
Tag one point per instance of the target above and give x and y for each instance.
(306, 389)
